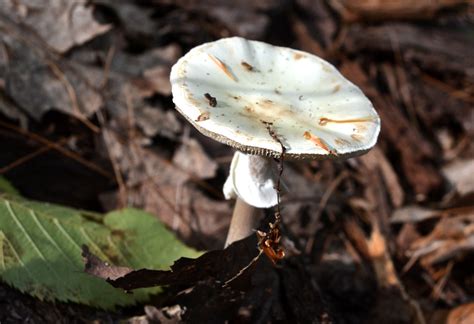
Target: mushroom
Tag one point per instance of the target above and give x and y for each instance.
(269, 102)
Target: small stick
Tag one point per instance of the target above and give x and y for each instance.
(241, 271)
(32, 155)
(76, 112)
(55, 146)
(108, 62)
(273, 134)
(269, 242)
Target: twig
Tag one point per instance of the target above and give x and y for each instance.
(403, 85)
(269, 242)
(456, 93)
(57, 147)
(108, 62)
(115, 167)
(274, 135)
(130, 115)
(241, 271)
(328, 193)
(438, 288)
(31, 155)
(323, 203)
(72, 96)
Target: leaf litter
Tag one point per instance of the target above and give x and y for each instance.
(62, 24)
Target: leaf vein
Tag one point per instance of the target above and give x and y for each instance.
(22, 228)
(49, 237)
(28, 236)
(66, 234)
(119, 252)
(2, 256)
(92, 244)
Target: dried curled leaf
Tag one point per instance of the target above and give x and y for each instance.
(61, 23)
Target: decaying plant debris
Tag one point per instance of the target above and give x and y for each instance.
(86, 119)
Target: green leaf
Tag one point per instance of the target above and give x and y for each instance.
(7, 187)
(40, 250)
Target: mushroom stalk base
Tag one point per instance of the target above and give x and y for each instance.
(245, 219)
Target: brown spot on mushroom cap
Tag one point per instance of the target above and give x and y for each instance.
(326, 67)
(267, 152)
(203, 116)
(337, 87)
(266, 109)
(247, 66)
(357, 137)
(190, 98)
(267, 102)
(211, 100)
(298, 56)
(360, 128)
(341, 142)
(248, 109)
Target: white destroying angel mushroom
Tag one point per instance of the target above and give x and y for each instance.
(266, 100)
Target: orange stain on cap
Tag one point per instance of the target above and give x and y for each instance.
(318, 141)
(222, 66)
(323, 121)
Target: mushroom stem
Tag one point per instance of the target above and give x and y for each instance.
(245, 219)
(251, 181)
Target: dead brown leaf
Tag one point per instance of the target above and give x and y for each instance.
(61, 23)
(96, 267)
(405, 238)
(416, 152)
(460, 174)
(38, 81)
(413, 214)
(451, 238)
(171, 191)
(463, 314)
(423, 46)
(391, 9)
(317, 28)
(191, 157)
(243, 18)
(155, 121)
(375, 210)
(149, 71)
(376, 159)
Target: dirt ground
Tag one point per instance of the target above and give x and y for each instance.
(87, 120)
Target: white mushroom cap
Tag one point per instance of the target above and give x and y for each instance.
(232, 88)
